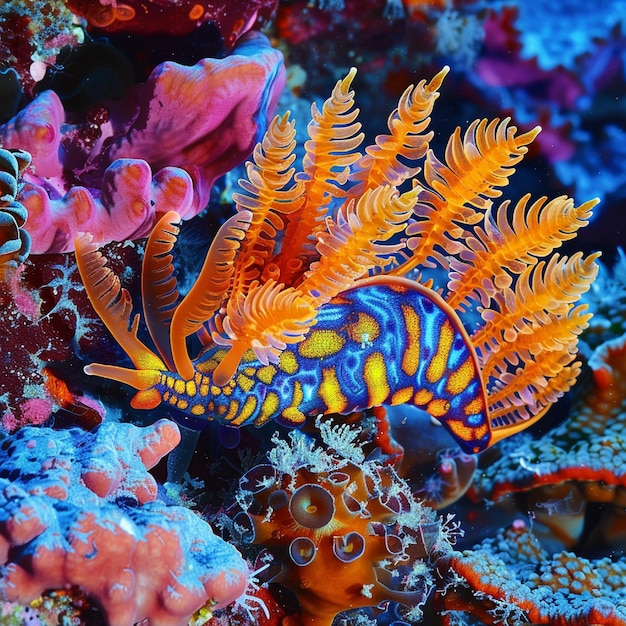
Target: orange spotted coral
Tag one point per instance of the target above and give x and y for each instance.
(301, 240)
(512, 579)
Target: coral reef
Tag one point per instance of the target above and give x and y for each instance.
(80, 508)
(160, 148)
(342, 531)
(233, 18)
(578, 462)
(366, 292)
(514, 580)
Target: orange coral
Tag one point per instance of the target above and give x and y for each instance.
(344, 531)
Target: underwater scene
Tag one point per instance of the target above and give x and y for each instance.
(313, 312)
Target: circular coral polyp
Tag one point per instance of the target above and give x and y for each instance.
(339, 479)
(394, 545)
(302, 551)
(312, 506)
(349, 547)
(257, 479)
(278, 499)
(353, 505)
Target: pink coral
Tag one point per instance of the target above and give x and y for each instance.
(79, 508)
(160, 149)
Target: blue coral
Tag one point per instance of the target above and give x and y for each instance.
(79, 509)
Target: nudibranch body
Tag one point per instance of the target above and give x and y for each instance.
(385, 341)
(302, 306)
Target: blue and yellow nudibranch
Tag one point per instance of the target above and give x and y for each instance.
(303, 305)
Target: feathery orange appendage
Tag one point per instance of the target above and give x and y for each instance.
(329, 153)
(458, 193)
(270, 194)
(492, 254)
(528, 344)
(554, 333)
(407, 139)
(543, 288)
(265, 320)
(352, 243)
(211, 288)
(112, 303)
(159, 288)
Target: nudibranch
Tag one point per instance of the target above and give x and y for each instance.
(303, 305)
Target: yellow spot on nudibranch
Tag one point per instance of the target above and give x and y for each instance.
(439, 362)
(246, 411)
(466, 433)
(365, 326)
(330, 391)
(233, 410)
(197, 409)
(423, 396)
(402, 396)
(190, 388)
(411, 356)
(179, 386)
(375, 377)
(288, 362)
(292, 413)
(461, 378)
(269, 407)
(438, 407)
(245, 383)
(476, 406)
(320, 343)
(266, 374)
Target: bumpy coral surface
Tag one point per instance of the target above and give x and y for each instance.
(79, 508)
(161, 148)
(514, 580)
(14, 240)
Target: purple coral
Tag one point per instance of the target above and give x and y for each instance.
(79, 508)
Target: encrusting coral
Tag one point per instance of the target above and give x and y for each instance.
(80, 508)
(580, 461)
(297, 304)
(512, 579)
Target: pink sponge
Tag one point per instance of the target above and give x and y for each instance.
(159, 149)
(79, 508)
